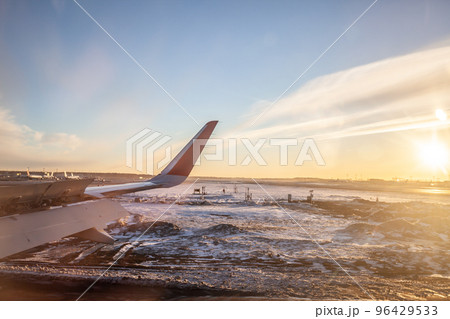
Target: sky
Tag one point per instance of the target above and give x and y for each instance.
(373, 97)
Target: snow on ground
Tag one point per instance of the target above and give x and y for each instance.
(273, 249)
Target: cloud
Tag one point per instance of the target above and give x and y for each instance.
(70, 141)
(395, 94)
(20, 144)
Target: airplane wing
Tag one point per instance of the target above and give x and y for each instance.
(175, 172)
(24, 231)
(34, 213)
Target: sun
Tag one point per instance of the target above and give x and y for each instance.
(441, 115)
(434, 155)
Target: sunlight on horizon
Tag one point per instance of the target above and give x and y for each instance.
(441, 115)
(435, 155)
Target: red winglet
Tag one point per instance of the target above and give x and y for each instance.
(183, 163)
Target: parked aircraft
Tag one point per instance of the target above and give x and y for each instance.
(71, 176)
(33, 176)
(48, 175)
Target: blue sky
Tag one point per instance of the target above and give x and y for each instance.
(61, 74)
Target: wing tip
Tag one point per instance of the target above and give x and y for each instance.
(184, 162)
(211, 123)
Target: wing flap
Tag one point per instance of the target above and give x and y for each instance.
(95, 235)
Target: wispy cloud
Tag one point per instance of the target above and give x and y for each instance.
(396, 94)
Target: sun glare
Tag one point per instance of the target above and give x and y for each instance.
(434, 155)
(441, 115)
